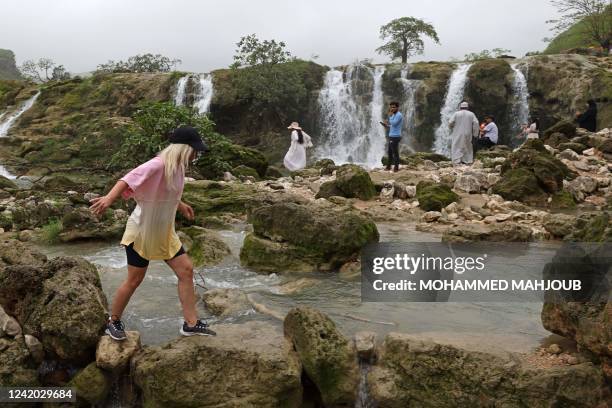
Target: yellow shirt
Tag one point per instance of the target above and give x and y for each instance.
(151, 225)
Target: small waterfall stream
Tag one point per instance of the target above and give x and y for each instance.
(454, 96)
(409, 104)
(201, 98)
(350, 129)
(520, 105)
(10, 120)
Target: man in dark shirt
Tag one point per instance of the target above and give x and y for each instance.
(588, 119)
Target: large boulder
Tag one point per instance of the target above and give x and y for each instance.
(351, 181)
(531, 173)
(565, 127)
(433, 196)
(438, 375)
(60, 302)
(204, 246)
(91, 384)
(80, 224)
(329, 359)
(318, 236)
(250, 364)
(114, 356)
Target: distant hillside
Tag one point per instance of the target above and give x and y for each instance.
(573, 37)
(8, 68)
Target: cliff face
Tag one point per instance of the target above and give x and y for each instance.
(8, 68)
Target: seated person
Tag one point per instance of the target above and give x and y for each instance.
(489, 135)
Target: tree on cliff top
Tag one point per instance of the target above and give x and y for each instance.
(251, 51)
(141, 63)
(43, 70)
(404, 37)
(594, 15)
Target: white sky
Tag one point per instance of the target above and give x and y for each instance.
(83, 33)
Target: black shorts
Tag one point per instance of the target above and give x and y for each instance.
(134, 259)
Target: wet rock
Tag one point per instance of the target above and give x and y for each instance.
(350, 270)
(294, 237)
(328, 358)
(225, 301)
(91, 384)
(439, 375)
(432, 216)
(365, 344)
(495, 232)
(206, 247)
(253, 355)
(559, 225)
(434, 197)
(299, 285)
(114, 356)
(35, 348)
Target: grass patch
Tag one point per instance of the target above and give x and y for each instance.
(51, 231)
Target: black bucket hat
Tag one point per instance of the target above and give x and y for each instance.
(189, 136)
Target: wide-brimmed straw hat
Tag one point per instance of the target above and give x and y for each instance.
(294, 125)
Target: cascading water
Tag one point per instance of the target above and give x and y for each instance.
(454, 96)
(181, 86)
(350, 130)
(520, 105)
(205, 93)
(10, 120)
(409, 104)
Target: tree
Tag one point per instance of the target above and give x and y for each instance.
(595, 15)
(140, 63)
(43, 70)
(251, 51)
(404, 37)
(486, 54)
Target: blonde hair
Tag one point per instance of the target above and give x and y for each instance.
(173, 156)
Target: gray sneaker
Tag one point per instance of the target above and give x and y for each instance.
(116, 330)
(200, 329)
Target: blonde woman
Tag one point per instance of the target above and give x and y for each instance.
(157, 186)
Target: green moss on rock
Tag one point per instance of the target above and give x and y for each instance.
(91, 384)
(562, 200)
(433, 196)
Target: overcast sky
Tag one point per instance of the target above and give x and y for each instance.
(83, 33)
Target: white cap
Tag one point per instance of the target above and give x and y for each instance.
(464, 105)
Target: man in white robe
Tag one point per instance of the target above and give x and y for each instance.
(464, 125)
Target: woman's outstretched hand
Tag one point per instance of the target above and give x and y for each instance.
(100, 204)
(186, 210)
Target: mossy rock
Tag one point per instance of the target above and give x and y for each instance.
(305, 173)
(562, 200)
(329, 189)
(273, 172)
(206, 247)
(212, 197)
(577, 147)
(7, 183)
(91, 384)
(592, 227)
(6, 222)
(60, 183)
(433, 196)
(414, 159)
(565, 127)
(355, 182)
(493, 153)
(606, 146)
(521, 185)
(245, 171)
(326, 166)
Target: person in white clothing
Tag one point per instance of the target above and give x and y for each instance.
(295, 159)
(489, 135)
(464, 125)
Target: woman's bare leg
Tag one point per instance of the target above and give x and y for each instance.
(126, 290)
(183, 268)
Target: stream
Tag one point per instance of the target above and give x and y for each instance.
(155, 310)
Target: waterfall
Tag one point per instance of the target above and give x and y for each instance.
(520, 105)
(350, 130)
(454, 96)
(181, 86)
(10, 121)
(205, 93)
(5, 173)
(409, 104)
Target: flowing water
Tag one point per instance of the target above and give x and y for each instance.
(350, 128)
(520, 105)
(7, 123)
(409, 104)
(155, 310)
(181, 86)
(205, 93)
(454, 96)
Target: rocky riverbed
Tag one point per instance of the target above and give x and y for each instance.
(280, 259)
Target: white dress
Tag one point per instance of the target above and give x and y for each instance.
(465, 126)
(295, 159)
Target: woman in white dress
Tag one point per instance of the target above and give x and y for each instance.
(295, 159)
